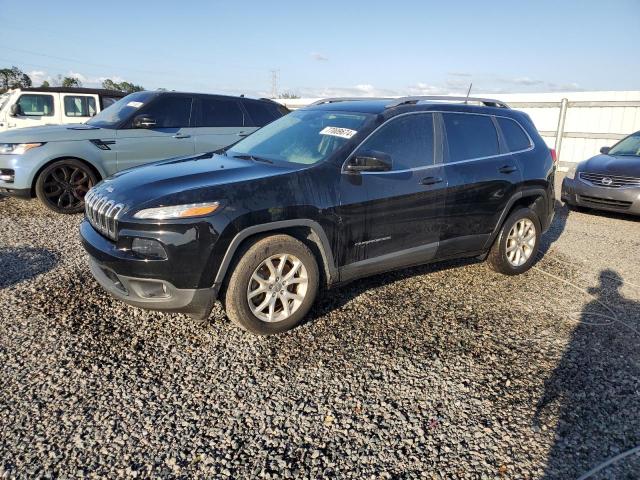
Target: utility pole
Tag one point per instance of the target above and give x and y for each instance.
(275, 74)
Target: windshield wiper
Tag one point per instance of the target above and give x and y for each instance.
(252, 157)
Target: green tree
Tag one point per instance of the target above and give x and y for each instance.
(71, 82)
(125, 87)
(45, 84)
(13, 78)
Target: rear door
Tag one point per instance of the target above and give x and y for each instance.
(481, 178)
(78, 108)
(220, 121)
(403, 207)
(172, 136)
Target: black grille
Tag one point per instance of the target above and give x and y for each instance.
(610, 181)
(103, 213)
(605, 202)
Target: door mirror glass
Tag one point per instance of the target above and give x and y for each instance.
(15, 110)
(143, 121)
(605, 150)
(370, 161)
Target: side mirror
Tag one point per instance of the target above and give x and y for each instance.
(15, 110)
(605, 150)
(370, 161)
(143, 121)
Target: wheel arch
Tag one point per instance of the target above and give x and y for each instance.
(534, 198)
(99, 174)
(307, 231)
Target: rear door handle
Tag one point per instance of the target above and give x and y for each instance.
(430, 180)
(181, 135)
(507, 169)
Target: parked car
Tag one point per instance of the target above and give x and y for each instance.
(328, 194)
(59, 164)
(609, 181)
(35, 107)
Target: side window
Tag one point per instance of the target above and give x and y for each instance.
(470, 136)
(108, 101)
(219, 112)
(170, 112)
(408, 139)
(260, 112)
(36, 105)
(514, 135)
(75, 106)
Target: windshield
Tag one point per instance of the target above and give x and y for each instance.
(4, 98)
(305, 136)
(627, 146)
(113, 115)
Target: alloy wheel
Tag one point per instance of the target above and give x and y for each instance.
(65, 186)
(520, 242)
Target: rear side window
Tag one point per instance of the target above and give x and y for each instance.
(261, 113)
(218, 112)
(76, 106)
(36, 105)
(408, 139)
(170, 112)
(108, 101)
(514, 135)
(470, 136)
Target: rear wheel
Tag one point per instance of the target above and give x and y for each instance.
(514, 250)
(272, 286)
(62, 186)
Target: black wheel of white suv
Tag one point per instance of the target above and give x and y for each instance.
(514, 250)
(62, 186)
(272, 285)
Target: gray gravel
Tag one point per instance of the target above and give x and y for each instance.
(443, 371)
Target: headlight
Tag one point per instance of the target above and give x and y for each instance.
(17, 148)
(178, 211)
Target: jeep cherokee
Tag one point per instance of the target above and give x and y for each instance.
(333, 192)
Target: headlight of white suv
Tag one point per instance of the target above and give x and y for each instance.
(178, 211)
(17, 148)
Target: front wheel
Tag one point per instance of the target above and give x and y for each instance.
(514, 250)
(62, 186)
(272, 286)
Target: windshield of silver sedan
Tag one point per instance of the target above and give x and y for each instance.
(305, 136)
(629, 146)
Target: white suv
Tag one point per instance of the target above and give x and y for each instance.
(33, 107)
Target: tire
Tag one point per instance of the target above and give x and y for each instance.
(254, 259)
(511, 237)
(62, 185)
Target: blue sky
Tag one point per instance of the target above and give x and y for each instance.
(330, 47)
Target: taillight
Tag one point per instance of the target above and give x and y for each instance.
(553, 155)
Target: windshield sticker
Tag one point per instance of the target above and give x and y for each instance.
(338, 132)
(134, 104)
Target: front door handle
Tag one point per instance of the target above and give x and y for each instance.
(430, 180)
(507, 169)
(243, 134)
(181, 135)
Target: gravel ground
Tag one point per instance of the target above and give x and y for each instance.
(442, 371)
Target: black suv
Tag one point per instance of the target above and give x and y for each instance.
(330, 193)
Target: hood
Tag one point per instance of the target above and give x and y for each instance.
(55, 133)
(625, 166)
(184, 180)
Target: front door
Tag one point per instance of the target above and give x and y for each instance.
(403, 208)
(172, 135)
(481, 178)
(35, 110)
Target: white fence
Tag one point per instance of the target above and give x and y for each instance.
(576, 124)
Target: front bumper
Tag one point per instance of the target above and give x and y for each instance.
(21, 169)
(583, 194)
(142, 283)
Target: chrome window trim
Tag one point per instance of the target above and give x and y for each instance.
(532, 145)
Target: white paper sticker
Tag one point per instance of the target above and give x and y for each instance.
(135, 104)
(338, 132)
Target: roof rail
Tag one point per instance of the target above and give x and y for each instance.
(487, 102)
(346, 99)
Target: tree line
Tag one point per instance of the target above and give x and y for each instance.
(13, 77)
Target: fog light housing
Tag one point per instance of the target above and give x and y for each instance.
(149, 289)
(7, 175)
(148, 249)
